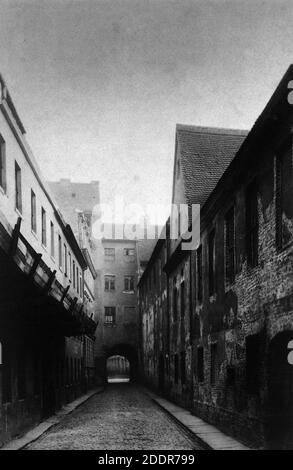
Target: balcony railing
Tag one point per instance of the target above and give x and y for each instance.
(30, 263)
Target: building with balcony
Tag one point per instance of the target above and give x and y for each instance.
(79, 205)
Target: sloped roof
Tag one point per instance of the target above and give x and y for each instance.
(145, 249)
(205, 153)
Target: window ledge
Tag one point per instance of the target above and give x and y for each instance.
(3, 191)
(34, 234)
(18, 212)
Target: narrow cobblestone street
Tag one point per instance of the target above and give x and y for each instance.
(122, 417)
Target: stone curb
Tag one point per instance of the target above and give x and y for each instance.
(44, 426)
(210, 436)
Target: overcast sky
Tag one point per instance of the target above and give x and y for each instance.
(100, 85)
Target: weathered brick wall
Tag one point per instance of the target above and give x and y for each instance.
(153, 313)
(259, 301)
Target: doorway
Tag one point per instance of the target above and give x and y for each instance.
(279, 422)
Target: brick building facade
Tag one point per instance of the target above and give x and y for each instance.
(231, 300)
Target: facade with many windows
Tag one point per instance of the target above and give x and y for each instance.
(231, 300)
(77, 202)
(39, 302)
(118, 329)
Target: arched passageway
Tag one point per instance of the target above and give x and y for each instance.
(279, 419)
(118, 369)
(123, 358)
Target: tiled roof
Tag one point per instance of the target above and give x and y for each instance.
(205, 153)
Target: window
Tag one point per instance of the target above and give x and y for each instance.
(67, 371)
(109, 283)
(2, 163)
(231, 376)
(65, 258)
(211, 246)
(109, 254)
(284, 196)
(70, 265)
(174, 300)
(36, 373)
(60, 251)
(52, 239)
(183, 367)
(178, 169)
(21, 377)
(214, 348)
(199, 273)
(200, 364)
(251, 225)
(128, 251)
(176, 368)
(18, 195)
(33, 212)
(44, 231)
(182, 299)
(128, 283)
(110, 314)
(252, 344)
(129, 312)
(230, 246)
(6, 377)
(80, 285)
(71, 370)
(155, 274)
(73, 272)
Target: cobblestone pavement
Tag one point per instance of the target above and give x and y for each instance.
(121, 417)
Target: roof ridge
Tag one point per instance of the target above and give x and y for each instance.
(210, 130)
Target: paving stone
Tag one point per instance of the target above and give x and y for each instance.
(122, 417)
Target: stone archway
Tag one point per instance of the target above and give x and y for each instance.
(279, 415)
(118, 368)
(130, 354)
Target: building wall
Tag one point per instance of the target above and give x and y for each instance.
(236, 338)
(78, 202)
(32, 372)
(9, 214)
(154, 345)
(258, 302)
(124, 331)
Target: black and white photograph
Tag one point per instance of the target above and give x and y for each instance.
(146, 228)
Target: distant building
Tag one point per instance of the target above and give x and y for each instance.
(117, 332)
(73, 198)
(120, 263)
